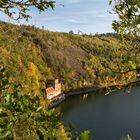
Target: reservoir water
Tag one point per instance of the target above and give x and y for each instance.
(107, 117)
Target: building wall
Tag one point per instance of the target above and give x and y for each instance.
(50, 95)
(57, 89)
(53, 94)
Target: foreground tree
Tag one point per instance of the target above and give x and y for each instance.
(22, 116)
(128, 26)
(22, 7)
(128, 12)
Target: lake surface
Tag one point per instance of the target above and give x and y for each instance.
(107, 117)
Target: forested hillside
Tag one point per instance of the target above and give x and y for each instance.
(32, 56)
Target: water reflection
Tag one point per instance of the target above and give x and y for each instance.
(107, 117)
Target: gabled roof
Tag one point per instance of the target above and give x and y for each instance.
(49, 90)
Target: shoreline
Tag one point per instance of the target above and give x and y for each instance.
(88, 90)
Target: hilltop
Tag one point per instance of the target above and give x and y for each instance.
(32, 56)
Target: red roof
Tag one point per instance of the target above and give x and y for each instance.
(49, 90)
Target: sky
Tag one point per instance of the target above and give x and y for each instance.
(88, 16)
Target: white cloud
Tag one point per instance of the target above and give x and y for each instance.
(74, 1)
(74, 22)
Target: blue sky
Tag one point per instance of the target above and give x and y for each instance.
(88, 16)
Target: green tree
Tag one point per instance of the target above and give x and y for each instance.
(3, 79)
(71, 32)
(85, 136)
(23, 6)
(128, 24)
(128, 12)
(23, 117)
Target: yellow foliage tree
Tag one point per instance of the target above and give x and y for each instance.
(31, 83)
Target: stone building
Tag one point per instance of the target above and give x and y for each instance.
(53, 89)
